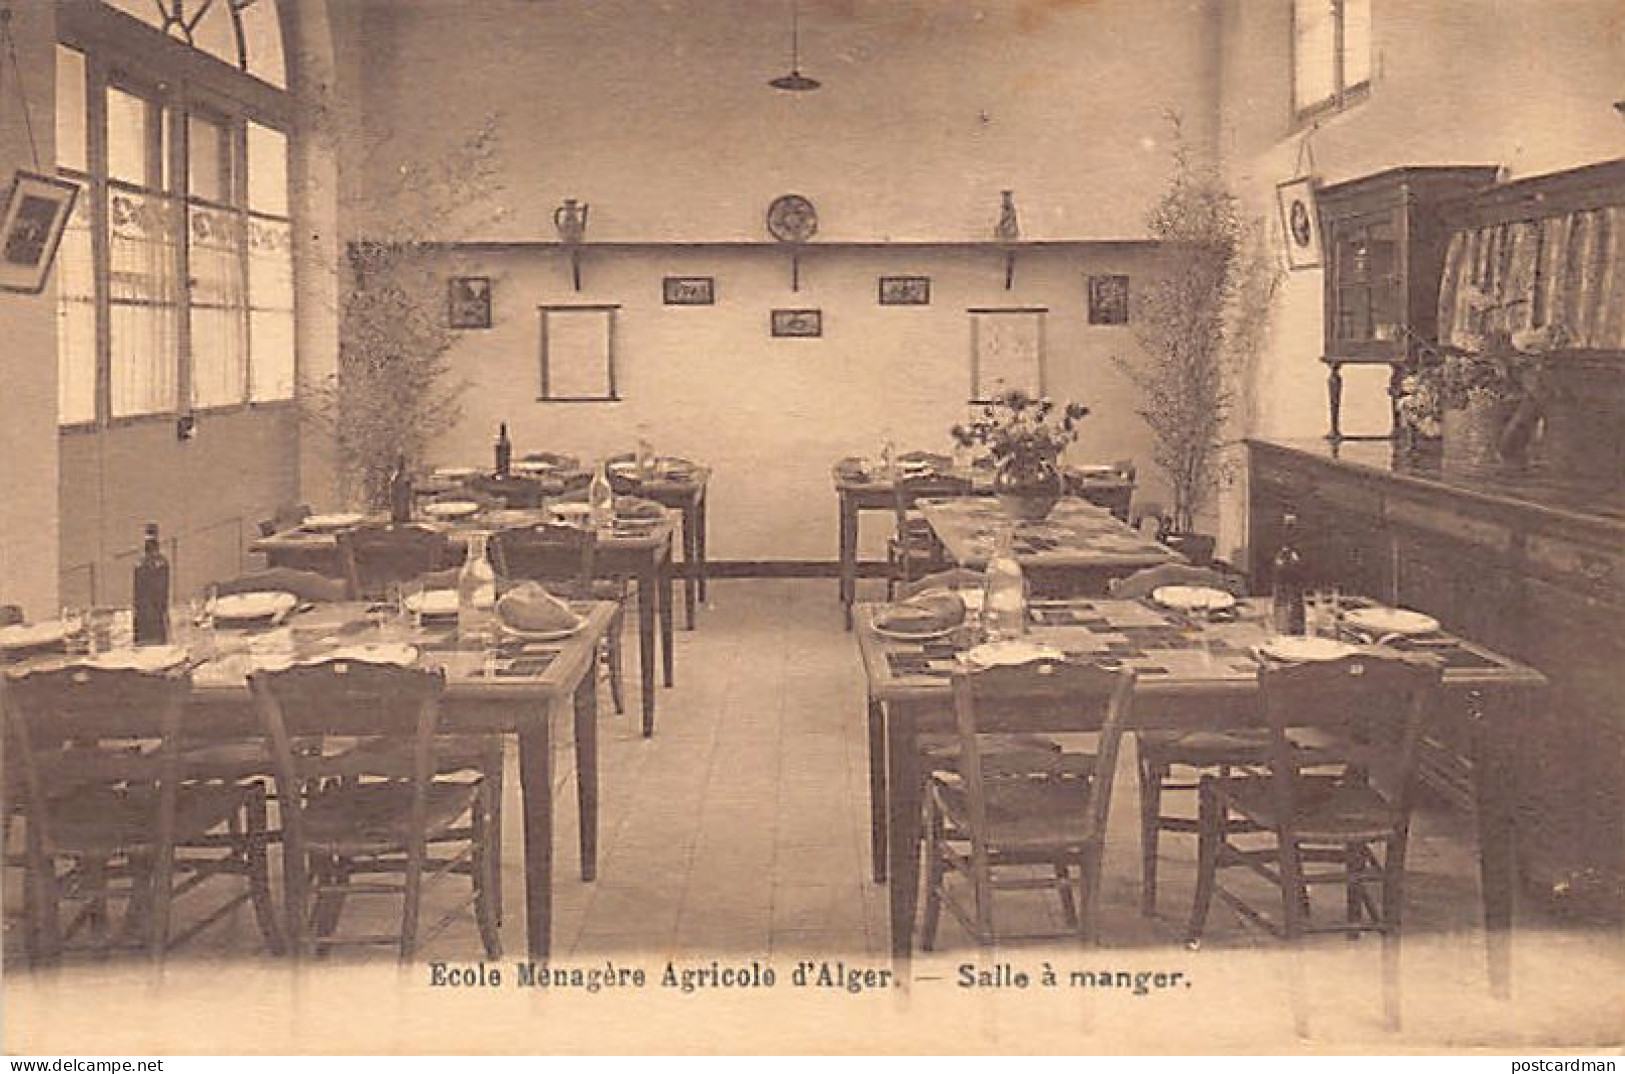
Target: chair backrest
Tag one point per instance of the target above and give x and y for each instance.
(907, 491)
(306, 585)
(546, 553)
(375, 557)
(1143, 583)
(1364, 713)
(1043, 695)
(57, 718)
(512, 491)
(956, 578)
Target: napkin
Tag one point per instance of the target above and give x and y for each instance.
(637, 507)
(930, 612)
(530, 607)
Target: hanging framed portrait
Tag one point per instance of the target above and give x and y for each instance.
(36, 214)
(468, 302)
(1300, 222)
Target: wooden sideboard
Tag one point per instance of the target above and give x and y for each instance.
(1529, 564)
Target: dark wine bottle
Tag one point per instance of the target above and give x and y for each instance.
(150, 596)
(504, 450)
(1287, 615)
(400, 493)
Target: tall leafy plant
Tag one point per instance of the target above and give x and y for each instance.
(393, 393)
(1198, 322)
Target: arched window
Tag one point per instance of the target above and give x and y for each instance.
(175, 286)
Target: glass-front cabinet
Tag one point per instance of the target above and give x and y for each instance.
(1384, 251)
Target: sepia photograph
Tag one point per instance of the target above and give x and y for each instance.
(379, 676)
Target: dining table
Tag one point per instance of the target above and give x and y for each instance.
(681, 486)
(866, 485)
(502, 685)
(1191, 674)
(635, 549)
(1076, 551)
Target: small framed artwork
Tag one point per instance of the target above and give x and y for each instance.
(1300, 222)
(905, 290)
(1108, 300)
(689, 290)
(798, 324)
(36, 214)
(469, 303)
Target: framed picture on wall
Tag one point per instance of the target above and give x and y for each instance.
(905, 290)
(469, 302)
(1108, 300)
(36, 215)
(1300, 222)
(689, 290)
(798, 324)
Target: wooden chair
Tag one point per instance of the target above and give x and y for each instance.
(564, 559)
(913, 549)
(112, 810)
(513, 491)
(1338, 785)
(1159, 753)
(1001, 811)
(378, 556)
(306, 585)
(355, 746)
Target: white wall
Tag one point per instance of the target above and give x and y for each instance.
(772, 415)
(28, 447)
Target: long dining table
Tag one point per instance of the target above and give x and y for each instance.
(636, 549)
(514, 688)
(861, 486)
(1191, 675)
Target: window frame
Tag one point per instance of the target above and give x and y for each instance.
(122, 52)
(1343, 96)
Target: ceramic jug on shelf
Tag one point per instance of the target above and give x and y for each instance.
(571, 220)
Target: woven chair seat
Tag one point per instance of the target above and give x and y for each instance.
(1204, 748)
(104, 821)
(365, 818)
(1026, 814)
(1326, 810)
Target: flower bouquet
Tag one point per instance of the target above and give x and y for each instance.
(1024, 437)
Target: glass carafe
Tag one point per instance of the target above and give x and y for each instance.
(476, 592)
(1004, 604)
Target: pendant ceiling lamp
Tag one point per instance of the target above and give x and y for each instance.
(795, 81)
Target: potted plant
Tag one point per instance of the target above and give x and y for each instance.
(1024, 437)
(1197, 321)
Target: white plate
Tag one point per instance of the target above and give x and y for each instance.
(32, 635)
(456, 473)
(328, 523)
(1400, 621)
(1097, 470)
(451, 509)
(432, 602)
(1294, 649)
(1010, 653)
(541, 635)
(533, 466)
(1193, 598)
(248, 607)
(906, 635)
(140, 658)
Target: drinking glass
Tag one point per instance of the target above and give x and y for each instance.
(75, 629)
(1322, 610)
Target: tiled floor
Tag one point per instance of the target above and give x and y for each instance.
(740, 833)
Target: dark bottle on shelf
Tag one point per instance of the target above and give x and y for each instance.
(504, 450)
(150, 596)
(400, 492)
(1287, 586)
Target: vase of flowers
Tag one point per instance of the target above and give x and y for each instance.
(1024, 437)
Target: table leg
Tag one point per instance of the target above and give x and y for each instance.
(849, 556)
(1495, 785)
(690, 558)
(666, 569)
(536, 799)
(877, 790)
(648, 595)
(701, 512)
(903, 813)
(586, 728)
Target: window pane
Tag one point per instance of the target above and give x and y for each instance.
(127, 136)
(1356, 42)
(264, 36)
(213, 33)
(144, 298)
(273, 368)
(1314, 39)
(76, 320)
(217, 320)
(206, 143)
(270, 291)
(267, 170)
(70, 109)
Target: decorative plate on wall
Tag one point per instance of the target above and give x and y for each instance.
(792, 218)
